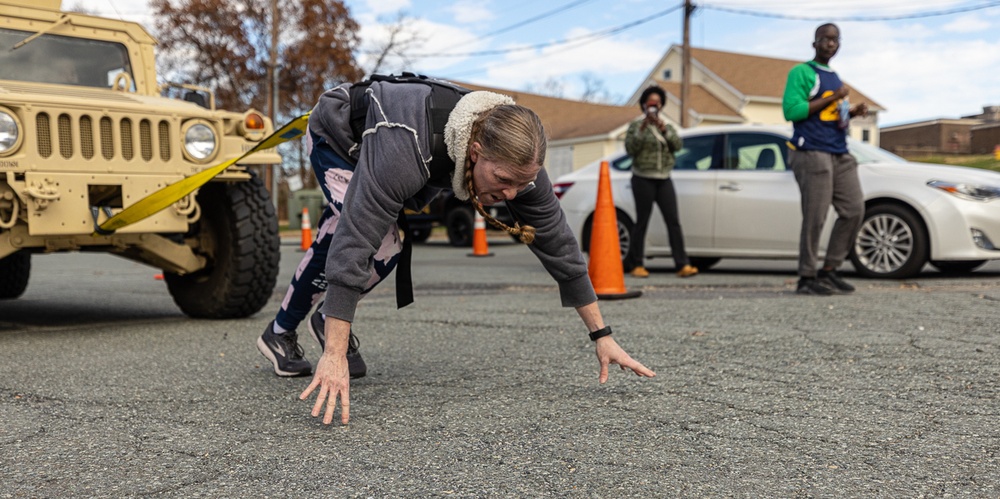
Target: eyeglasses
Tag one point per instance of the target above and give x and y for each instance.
(824, 39)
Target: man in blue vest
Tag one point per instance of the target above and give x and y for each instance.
(816, 102)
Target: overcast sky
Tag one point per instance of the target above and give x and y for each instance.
(920, 59)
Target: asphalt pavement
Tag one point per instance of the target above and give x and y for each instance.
(485, 387)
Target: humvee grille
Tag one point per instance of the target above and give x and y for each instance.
(126, 131)
(86, 137)
(65, 137)
(107, 141)
(164, 141)
(44, 137)
(145, 140)
(69, 132)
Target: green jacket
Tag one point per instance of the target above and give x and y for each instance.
(652, 156)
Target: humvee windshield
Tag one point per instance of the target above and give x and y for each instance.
(62, 60)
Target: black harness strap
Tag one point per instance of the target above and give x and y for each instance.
(404, 279)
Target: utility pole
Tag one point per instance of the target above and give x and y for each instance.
(686, 64)
(271, 175)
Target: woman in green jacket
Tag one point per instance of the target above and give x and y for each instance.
(652, 143)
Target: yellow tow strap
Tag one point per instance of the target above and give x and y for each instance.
(173, 193)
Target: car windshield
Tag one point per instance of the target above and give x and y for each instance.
(867, 153)
(61, 60)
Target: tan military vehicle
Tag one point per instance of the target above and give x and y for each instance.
(85, 131)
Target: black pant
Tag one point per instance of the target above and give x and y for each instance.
(646, 191)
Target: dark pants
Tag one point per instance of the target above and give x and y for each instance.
(661, 191)
(827, 179)
(309, 281)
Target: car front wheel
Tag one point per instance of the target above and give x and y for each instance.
(460, 223)
(624, 233)
(892, 243)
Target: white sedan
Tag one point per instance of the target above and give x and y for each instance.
(738, 199)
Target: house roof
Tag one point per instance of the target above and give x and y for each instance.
(754, 75)
(702, 102)
(568, 119)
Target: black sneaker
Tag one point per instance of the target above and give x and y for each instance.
(284, 352)
(355, 364)
(833, 281)
(812, 286)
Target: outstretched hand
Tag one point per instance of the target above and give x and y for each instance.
(608, 352)
(333, 380)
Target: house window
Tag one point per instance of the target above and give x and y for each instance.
(866, 135)
(666, 74)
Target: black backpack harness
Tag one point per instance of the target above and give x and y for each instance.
(441, 101)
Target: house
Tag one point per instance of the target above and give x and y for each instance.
(937, 136)
(986, 139)
(974, 134)
(728, 87)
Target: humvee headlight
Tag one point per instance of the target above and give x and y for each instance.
(9, 132)
(199, 141)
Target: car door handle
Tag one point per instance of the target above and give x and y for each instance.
(730, 187)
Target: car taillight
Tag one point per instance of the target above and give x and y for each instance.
(561, 188)
(254, 121)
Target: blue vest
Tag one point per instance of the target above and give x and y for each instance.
(821, 131)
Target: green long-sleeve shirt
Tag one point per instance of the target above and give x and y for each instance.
(651, 156)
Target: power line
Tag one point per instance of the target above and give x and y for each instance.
(899, 17)
(589, 37)
(533, 19)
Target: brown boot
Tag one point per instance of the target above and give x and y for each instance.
(687, 271)
(640, 272)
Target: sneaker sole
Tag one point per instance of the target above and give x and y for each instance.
(269, 355)
(839, 291)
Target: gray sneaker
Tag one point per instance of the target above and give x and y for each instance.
(284, 352)
(832, 280)
(812, 286)
(355, 364)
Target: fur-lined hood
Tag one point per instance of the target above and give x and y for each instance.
(458, 130)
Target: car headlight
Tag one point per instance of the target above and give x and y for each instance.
(967, 191)
(9, 132)
(199, 141)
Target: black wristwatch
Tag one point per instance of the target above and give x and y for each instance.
(600, 333)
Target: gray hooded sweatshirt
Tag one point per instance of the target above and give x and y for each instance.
(392, 172)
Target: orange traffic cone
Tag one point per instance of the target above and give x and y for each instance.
(307, 232)
(605, 268)
(479, 245)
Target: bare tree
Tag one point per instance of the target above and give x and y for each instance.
(552, 86)
(594, 90)
(391, 52)
(223, 44)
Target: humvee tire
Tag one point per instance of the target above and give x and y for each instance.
(238, 234)
(14, 272)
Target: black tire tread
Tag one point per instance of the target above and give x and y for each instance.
(239, 279)
(15, 270)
